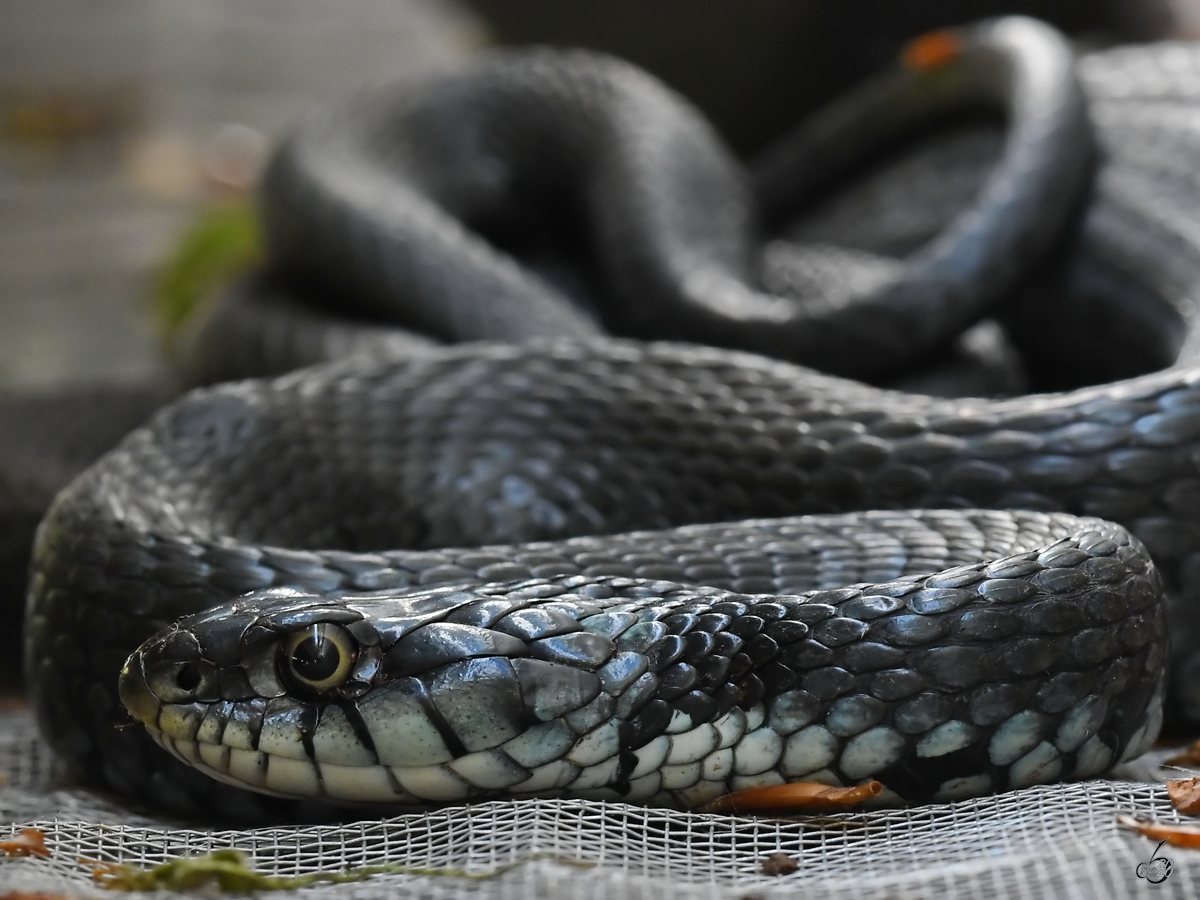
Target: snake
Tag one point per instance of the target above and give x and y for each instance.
(630, 217)
(561, 563)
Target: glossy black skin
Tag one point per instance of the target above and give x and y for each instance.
(480, 444)
(543, 443)
(47, 437)
(1077, 619)
(411, 206)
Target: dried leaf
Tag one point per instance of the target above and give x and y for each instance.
(1175, 835)
(932, 50)
(1189, 757)
(67, 114)
(35, 895)
(1185, 795)
(30, 842)
(801, 796)
(779, 864)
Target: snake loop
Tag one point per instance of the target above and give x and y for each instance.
(441, 573)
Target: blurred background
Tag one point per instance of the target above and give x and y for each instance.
(119, 118)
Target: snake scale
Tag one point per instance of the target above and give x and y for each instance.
(429, 574)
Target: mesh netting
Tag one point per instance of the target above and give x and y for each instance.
(1060, 841)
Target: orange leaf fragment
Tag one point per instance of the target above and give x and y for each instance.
(1175, 835)
(1189, 757)
(30, 842)
(1185, 795)
(113, 876)
(802, 796)
(932, 50)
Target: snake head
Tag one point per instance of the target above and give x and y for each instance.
(209, 681)
(266, 645)
(367, 698)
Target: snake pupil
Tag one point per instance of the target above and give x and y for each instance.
(316, 657)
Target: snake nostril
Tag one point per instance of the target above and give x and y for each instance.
(188, 677)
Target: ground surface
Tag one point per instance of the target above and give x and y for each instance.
(113, 114)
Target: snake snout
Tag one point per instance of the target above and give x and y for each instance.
(166, 670)
(135, 693)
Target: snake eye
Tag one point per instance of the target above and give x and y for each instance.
(320, 657)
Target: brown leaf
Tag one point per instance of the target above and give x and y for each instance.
(779, 864)
(30, 842)
(1185, 795)
(35, 895)
(1189, 757)
(932, 50)
(801, 796)
(1175, 835)
(66, 114)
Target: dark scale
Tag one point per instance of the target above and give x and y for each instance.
(697, 646)
(697, 705)
(665, 652)
(760, 649)
(676, 680)
(644, 727)
(745, 626)
(714, 671)
(751, 690)
(777, 678)
(918, 779)
(726, 644)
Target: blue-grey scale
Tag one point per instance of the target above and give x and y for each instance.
(437, 701)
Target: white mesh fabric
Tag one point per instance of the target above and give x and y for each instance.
(1060, 841)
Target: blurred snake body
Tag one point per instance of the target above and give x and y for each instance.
(475, 571)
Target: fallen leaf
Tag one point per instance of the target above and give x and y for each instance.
(35, 895)
(67, 114)
(779, 864)
(801, 796)
(30, 842)
(932, 50)
(1185, 795)
(1175, 835)
(1189, 757)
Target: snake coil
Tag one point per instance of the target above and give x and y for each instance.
(475, 571)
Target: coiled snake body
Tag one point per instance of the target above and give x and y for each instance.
(947, 652)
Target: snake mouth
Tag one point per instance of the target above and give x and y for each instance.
(376, 785)
(179, 728)
(280, 776)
